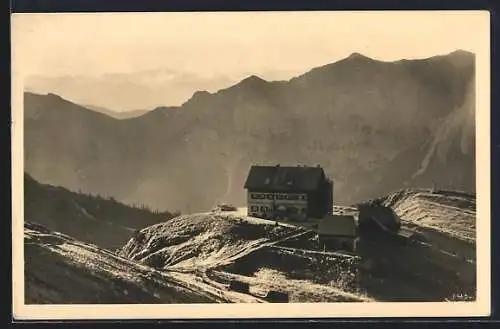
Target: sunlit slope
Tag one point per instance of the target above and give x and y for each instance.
(62, 270)
(449, 212)
(204, 240)
(228, 246)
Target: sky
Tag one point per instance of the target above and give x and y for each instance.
(231, 43)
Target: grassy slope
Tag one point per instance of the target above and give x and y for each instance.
(217, 245)
(440, 266)
(203, 251)
(62, 270)
(450, 212)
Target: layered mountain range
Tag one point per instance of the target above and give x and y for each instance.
(374, 126)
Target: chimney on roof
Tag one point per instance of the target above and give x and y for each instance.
(278, 165)
(317, 166)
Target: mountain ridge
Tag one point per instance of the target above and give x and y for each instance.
(370, 124)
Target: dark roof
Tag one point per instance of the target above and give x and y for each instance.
(340, 225)
(381, 214)
(286, 179)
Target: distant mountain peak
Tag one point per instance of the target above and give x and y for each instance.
(37, 94)
(459, 57)
(253, 79)
(461, 52)
(198, 96)
(54, 95)
(251, 82)
(200, 93)
(357, 55)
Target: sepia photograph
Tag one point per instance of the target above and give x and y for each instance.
(205, 164)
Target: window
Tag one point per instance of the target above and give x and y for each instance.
(265, 209)
(257, 196)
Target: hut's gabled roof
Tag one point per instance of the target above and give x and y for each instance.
(340, 225)
(283, 178)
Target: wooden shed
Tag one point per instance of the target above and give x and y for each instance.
(338, 232)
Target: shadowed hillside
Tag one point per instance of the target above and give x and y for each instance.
(374, 126)
(92, 219)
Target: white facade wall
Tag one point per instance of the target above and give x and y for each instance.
(263, 204)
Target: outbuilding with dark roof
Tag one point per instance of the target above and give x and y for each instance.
(338, 232)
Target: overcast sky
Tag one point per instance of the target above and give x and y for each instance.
(231, 43)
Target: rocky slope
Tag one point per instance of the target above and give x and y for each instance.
(374, 126)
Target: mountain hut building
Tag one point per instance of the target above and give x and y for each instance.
(288, 193)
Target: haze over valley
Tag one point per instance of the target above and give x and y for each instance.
(374, 126)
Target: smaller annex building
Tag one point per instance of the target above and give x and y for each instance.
(288, 193)
(338, 232)
(376, 220)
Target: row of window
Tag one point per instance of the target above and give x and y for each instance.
(264, 209)
(277, 196)
(261, 208)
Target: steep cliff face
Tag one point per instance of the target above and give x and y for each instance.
(374, 126)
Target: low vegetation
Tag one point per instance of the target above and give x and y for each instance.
(62, 270)
(208, 250)
(89, 218)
